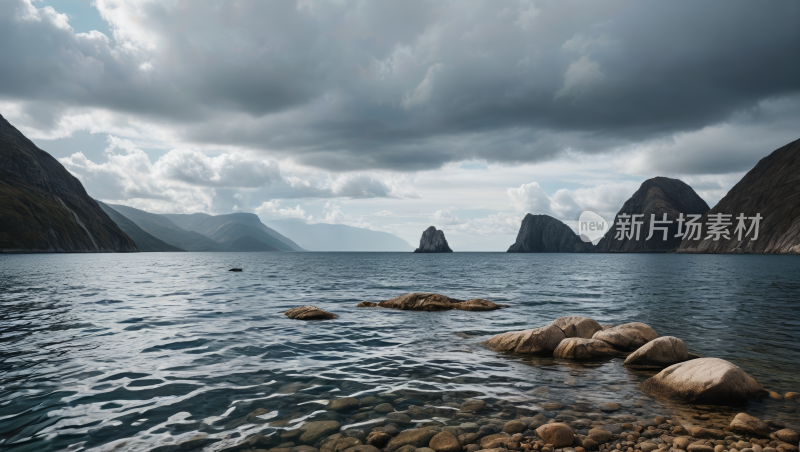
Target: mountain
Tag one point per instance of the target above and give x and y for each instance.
(248, 244)
(545, 234)
(338, 237)
(144, 241)
(658, 196)
(165, 230)
(227, 228)
(772, 190)
(44, 208)
(433, 241)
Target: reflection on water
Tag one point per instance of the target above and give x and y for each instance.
(151, 349)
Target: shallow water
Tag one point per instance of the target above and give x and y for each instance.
(149, 349)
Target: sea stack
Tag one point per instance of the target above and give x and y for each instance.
(433, 241)
(44, 208)
(659, 196)
(545, 234)
(772, 190)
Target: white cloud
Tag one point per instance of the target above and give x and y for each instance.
(445, 218)
(567, 204)
(274, 207)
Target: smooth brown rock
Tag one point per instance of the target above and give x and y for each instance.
(538, 341)
(600, 435)
(647, 446)
(609, 407)
(576, 326)
(384, 408)
(473, 406)
(494, 441)
(514, 427)
(378, 439)
(551, 406)
(744, 423)
(774, 395)
(786, 447)
(700, 432)
(343, 404)
(658, 353)
(579, 348)
(445, 442)
(436, 302)
(700, 448)
(363, 448)
(558, 434)
(629, 336)
(792, 396)
(590, 443)
(309, 313)
(367, 304)
(787, 435)
(680, 443)
(418, 437)
(703, 380)
(314, 431)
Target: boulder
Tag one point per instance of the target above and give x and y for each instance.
(433, 241)
(744, 423)
(418, 437)
(792, 396)
(538, 341)
(445, 442)
(609, 407)
(435, 302)
(473, 406)
(700, 432)
(600, 435)
(515, 427)
(378, 439)
(579, 348)
(576, 326)
(309, 313)
(703, 381)
(494, 441)
(658, 353)
(343, 404)
(558, 434)
(629, 336)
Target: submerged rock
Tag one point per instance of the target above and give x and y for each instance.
(629, 336)
(309, 313)
(558, 434)
(744, 423)
(538, 341)
(433, 302)
(419, 437)
(235, 270)
(580, 348)
(660, 352)
(703, 381)
(577, 326)
(433, 241)
(545, 234)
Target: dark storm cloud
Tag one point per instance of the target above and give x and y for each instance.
(414, 84)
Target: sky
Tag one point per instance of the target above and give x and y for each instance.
(398, 115)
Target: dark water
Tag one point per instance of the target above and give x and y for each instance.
(139, 351)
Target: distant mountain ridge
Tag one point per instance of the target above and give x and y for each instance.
(338, 237)
(144, 241)
(230, 227)
(44, 208)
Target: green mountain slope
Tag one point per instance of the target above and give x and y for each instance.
(144, 241)
(162, 228)
(227, 228)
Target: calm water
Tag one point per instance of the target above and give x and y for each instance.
(146, 350)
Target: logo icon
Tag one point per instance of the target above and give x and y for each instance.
(592, 227)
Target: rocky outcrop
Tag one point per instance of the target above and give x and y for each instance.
(44, 208)
(703, 381)
(432, 302)
(658, 353)
(580, 348)
(309, 313)
(545, 234)
(538, 341)
(772, 190)
(577, 326)
(628, 337)
(659, 196)
(433, 241)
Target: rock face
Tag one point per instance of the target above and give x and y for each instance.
(703, 381)
(539, 341)
(433, 241)
(629, 336)
(310, 313)
(432, 302)
(771, 189)
(658, 196)
(545, 234)
(576, 326)
(44, 208)
(658, 353)
(580, 348)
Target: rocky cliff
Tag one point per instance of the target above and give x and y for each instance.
(44, 208)
(772, 190)
(659, 196)
(545, 234)
(433, 241)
